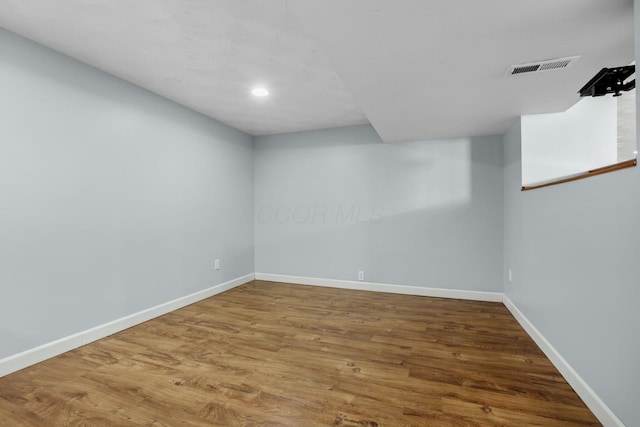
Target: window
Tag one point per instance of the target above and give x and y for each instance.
(595, 136)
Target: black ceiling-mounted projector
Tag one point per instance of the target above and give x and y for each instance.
(610, 80)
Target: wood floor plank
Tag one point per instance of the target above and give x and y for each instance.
(273, 354)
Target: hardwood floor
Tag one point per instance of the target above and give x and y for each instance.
(272, 354)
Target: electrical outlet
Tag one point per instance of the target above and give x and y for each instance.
(216, 264)
(510, 276)
(360, 275)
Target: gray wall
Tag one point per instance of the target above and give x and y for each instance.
(332, 202)
(575, 253)
(112, 199)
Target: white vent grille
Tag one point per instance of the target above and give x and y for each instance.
(548, 65)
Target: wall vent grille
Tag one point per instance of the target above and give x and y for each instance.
(547, 65)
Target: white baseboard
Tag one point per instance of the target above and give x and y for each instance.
(590, 398)
(382, 287)
(38, 354)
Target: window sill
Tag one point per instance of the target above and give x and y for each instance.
(588, 174)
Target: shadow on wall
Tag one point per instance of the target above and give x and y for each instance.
(406, 213)
(378, 182)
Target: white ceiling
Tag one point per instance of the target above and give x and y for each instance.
(415, 69)
(204, 54)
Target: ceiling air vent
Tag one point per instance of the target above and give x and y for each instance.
(537, 67)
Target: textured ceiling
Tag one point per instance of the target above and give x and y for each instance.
(415, 69)
(204, 54)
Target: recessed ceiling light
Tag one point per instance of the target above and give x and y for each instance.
(260, 91)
